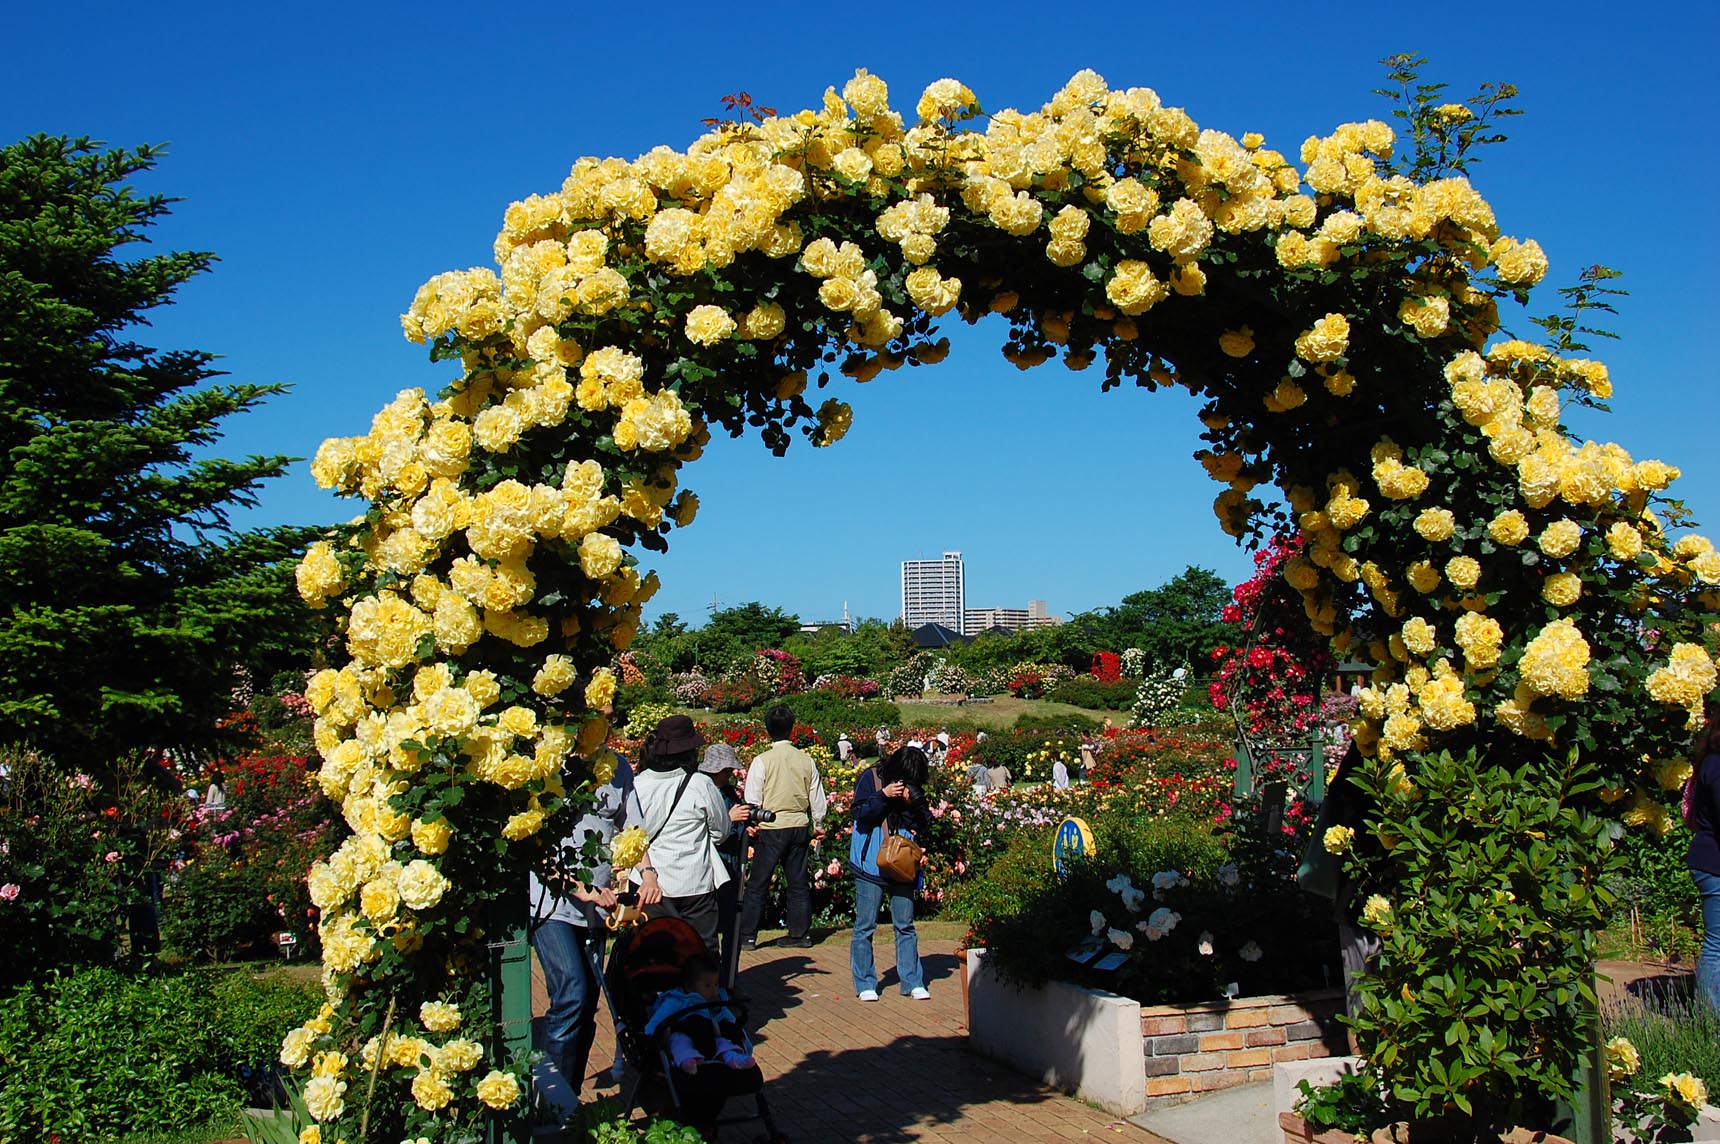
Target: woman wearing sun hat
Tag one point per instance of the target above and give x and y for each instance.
(685, 820)
(722, 765)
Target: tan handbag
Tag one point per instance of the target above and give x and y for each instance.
(898, 857)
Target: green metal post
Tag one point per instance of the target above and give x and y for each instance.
(1316, 766)
(511, 999)
(1591, 1104)
(1244, 785)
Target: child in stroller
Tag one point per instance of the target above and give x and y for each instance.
(702, 1030)
(676, 1025)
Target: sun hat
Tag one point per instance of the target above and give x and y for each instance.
(675, 735)
(719, 757)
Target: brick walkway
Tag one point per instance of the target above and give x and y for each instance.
(897, 1070)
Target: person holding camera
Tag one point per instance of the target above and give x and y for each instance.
(889, 800)
(721, 764)
(784, 781)
(685, 820)
(567, 925)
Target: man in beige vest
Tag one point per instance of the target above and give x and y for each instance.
(784, 781)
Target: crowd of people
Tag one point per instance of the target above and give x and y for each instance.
(710, 854)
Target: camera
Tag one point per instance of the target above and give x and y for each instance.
(757, 813)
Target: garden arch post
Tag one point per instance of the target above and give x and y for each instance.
(1337, 308)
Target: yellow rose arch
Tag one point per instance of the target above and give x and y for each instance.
(1339, 318)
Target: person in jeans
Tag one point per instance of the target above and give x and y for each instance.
(1702, 813)
(783, 780)
(567, 926)
(891, 794)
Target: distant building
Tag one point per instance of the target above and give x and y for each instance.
(846, 623)
(936, 635)
(976, 620)
(935, 592)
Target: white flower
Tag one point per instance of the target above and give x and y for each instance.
(1122, 939)
(1204, 945)
(1249, 952)
(1120, 883)
(1132, 899)
(1097, 921)
(1167, 880)
(1161, 922)
(1228, 874)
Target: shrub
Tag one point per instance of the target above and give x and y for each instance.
(95, 1053)
(848, 686)
(1094, 694)
(733, 695)
(831, 712)
(1070, 721)
(1107, 666)
(215, 907)
(1156, 700)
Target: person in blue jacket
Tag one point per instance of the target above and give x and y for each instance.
(892, 792)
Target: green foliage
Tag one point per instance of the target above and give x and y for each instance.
(1352, 1103)
(1238, 917)
(1085, 691)
(80, 849)
(602, 1123)
(1654, 886)
(255, 1010)
(94, 1054)
(731, 637)
(1497, 887)
(215, 906)
(126, 595)
(828, 711)
(1053, 721)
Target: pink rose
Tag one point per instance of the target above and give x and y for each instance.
(111, 857)
(834, 868)
(10, 891)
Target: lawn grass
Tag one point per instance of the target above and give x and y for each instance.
(999, 713)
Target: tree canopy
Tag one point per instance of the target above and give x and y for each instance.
(127, 595)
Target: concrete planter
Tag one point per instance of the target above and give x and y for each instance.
(1083, 1041)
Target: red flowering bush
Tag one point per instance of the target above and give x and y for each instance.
(1107, 666)
(848, 686)
(1270, 680)
(776, 673)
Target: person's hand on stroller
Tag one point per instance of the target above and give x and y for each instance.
(650, 891)
(600, 896)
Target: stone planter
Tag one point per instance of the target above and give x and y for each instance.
(1299, 1131)
(1084, 1041)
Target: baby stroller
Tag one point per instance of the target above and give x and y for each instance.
(648, 960)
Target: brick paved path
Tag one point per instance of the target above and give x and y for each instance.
(897, 1070)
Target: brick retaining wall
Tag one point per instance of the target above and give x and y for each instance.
(1200, 1048)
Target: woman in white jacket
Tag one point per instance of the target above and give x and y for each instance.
(685, 819)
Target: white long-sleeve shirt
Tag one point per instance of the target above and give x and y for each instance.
(684, 849)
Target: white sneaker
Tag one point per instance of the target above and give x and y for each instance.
(921, 993)
(868, 995)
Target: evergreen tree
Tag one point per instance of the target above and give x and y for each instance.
(127, 597)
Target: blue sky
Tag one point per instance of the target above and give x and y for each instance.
(336, 157)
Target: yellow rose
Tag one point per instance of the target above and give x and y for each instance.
(499, 1090)
(1237, 343)
(1682, 1088)
(1435, 524)
(1561, 538)
(296, 1048)
(1325, 340)
(554, 677)
(319, 574)
(627, 848)
(1338, 839)
(431, 837)
(1562, 589)
(1134, 289)
(431, 1091)
(708, 325)
(1622, 1058)
(599, 555)
(1377, 913)
(324, 1097)
(1509, 528)
(600, 692)
(421, 885)
(1463, 572)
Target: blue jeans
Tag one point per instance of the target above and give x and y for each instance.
(1708, 961)
(570, 1025)
(868, 900)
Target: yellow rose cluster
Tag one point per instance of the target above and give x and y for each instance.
(492, 581)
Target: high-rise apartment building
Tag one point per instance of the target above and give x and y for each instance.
(935, 592)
